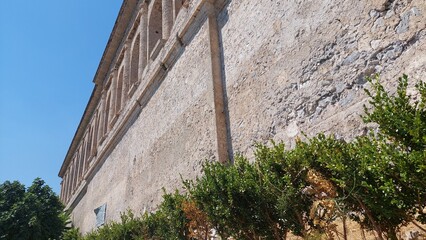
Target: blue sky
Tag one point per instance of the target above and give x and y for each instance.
(49, 53)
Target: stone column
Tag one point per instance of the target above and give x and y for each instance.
(117, 91)
(83, 159)
(69, 184)
(167, 6)
(95, 136)
(72, 178)
(101, 120)
(79, 160)
(89, 145)
(76, 170)
(113, 90)
(111, 95)
(66, 179)
(66, 187)
(107, 106)
(81, 164)
(74, 186)
(143, 26)
(61, 194)
(63, 187)
(126, 73)
(177, 4)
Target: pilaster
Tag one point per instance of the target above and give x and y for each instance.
(222, 139)
(126, 73)
(167, 7)
(143, 53)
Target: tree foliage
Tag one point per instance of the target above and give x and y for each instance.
(32, 213)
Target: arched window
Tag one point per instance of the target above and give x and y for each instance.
(75, 172)
(155, 27)
(134, 64)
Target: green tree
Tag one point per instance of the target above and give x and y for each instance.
(33, 213)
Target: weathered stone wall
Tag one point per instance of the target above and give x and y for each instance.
(287, 67)
(294, 66)
(171, 136)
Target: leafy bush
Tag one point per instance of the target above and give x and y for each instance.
(401, 118)
(367, 175)
(71, 234)
(130, 227)
(402, 122)
(248, 201)
(168, 222)
(381, 177)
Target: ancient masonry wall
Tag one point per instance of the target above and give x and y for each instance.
(222, 76)
(294, 66)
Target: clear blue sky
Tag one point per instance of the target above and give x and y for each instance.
(49, 53)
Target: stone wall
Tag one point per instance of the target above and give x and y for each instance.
(232, 73)
(300, 66)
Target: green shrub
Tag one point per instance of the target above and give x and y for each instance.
(367, 175)
(402, 121)
(130, 227)
(401, 118)
(381, 177)
(168, 222)
(283, 177)
(251, 200)
(72, 234)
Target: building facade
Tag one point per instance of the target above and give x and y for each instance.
(185, 81)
